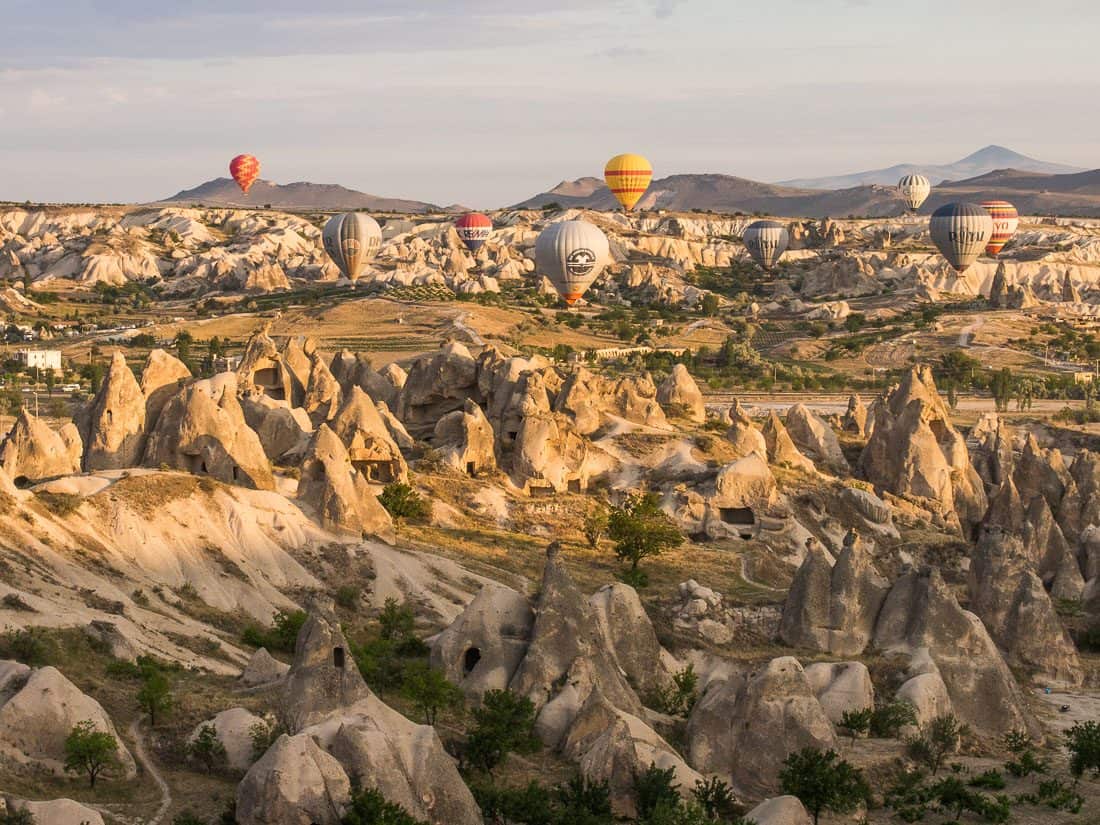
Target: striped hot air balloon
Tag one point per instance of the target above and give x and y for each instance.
(960, 231)
(352, 240)
(572, 254)
(473, 230)
(628, 177)
(244, 169)
(766, 242)
(914, 190)
(1005, 220)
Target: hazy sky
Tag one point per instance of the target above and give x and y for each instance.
(485, 102)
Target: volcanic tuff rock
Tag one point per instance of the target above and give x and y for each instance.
(160, 379)
(815, 438)
(1010, 600)
(322, 398)
(371, 448)
(235, 729)
(337, 490)
(323, 679)
(54, 812)
(567, 657)
(482, 648)
(36, 719)
(855, 417)
(832, 608)
(263, 669)
(679, 395)
(915, 451)
(437, 385)
(746, 730)
(202, 430)
(781, 447)
(780, 810)
(629, 637)
(33, 451)
(294, 783)
(743, 435)
(613, 746)
(466, 441)
(284, 432)
(112, 426)
(841, 687)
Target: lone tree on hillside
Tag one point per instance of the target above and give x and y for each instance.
(155, 696)
(823, 783)
(640, 529)
(90, 751)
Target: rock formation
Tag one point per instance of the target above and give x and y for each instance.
(743, 435)
(680, 397)
(160, 380)
(202, 430)
(629, 636)
(371, 448)
(436, 386)
(112, 426)
(855, 418)
(263, 669)
(338, 492)
(32, 451)
(466, 441)
(781, 448)
(815, 438)
(295, 783)
(235, 729)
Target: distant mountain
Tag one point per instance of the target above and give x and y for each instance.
(300, 195)
(725, 193)
(980, 163)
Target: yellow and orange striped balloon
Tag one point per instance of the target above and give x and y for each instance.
(1005, 220)
(628, 177)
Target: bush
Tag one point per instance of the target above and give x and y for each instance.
(936, 742)
(348, 596)
(504, 723)
(716, 797)
(822, 782)
(207, 749)
(17, 817)
(1056, 794)
(369, 807)
(678, 698)
(653, 788)
(403, 503)
(991, 780)
(1083, 743)
(155, 696)
(26, 645)
(857, 722)
(888, 720)
(429, 690)
(90, 751)
(282, 635)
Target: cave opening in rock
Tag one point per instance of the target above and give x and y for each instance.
(471, 468)
(737, 515)
(470, 660)
(22, 482)
(338, 657)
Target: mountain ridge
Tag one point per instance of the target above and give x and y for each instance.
(299, 195)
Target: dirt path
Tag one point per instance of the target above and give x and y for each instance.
(966, 334)
(143, 759)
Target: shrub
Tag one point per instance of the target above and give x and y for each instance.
(282, 635)
(936, 742)
(369, 807)
(207, 749)
(888, 720)
(429, 690)
(1056, 794)
(347, 596)
(155, 696)
(991, 780)
(1083, 742)
(504, 723)
(654, 787)
(26, 645)
(857, 722)
(822, 782)
(716, 797)
(678, 698)
(403, 503)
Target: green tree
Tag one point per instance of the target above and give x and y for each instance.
(640, 529)
(936, 742)
(855, 322)
(403, 503)
(51, 381)
(90, 751)
(369, 807)
(654, 788)
(429, 690)
(823, 782)
(155, 696)
(595, 524)
(888, 720)
(505, 723)
(20, 816)
(857, 722)
(709, 305)
(1083, 742)
(207, 749)
(716, 797)
(184, 340)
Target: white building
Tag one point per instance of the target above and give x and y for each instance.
(43, 359)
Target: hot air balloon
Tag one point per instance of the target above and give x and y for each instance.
(474, 229)
(244, 169)
(914, 190)
(1005, 220)
(766, 242)
(351, 240)
(628, 177)
(571, 254)
(961, 231)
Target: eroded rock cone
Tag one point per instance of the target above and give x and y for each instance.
(466, 441)
(743, 435)
(294, 782)
(160, 380)
(112, 426)
(338, 492)
(679, 395)
(781, 448)
(202, 430)
(815, 438)
(32, 451)
(370, 446)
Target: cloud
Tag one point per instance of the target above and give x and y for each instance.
(664, 9)
(41, 100)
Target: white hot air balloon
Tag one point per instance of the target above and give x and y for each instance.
(766, 242)
(914, 190)
(572, 254)
(352, 240)
(961, 231)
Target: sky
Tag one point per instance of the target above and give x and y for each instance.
(486, 102)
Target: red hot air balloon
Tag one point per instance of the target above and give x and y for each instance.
(474, 230)
(1005, 220)
(244, 169)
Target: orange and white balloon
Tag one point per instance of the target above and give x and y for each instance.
(1005, 220)
(244, 169)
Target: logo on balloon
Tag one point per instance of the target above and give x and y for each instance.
(580, 262)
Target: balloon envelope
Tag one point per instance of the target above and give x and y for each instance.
(572, 254)
(1005, 220)
(244, 169)
(628, 176)
(960, 231)
(766, 242)
(474, 230)
(351, 240)
(914, 190)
